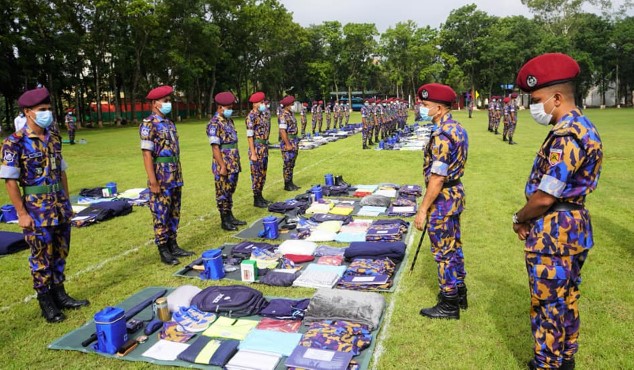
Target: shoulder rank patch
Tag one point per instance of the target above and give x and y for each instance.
(145, 131)
(555, 156)
(8, 156)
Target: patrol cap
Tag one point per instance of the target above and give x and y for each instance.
(257, 97)
(225, 98)
(438, 93)
(288, 100)
(159, 92)
(507, 99)
(34, 97)
(547, 70)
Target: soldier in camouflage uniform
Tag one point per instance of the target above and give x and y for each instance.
(289, 144)
(258, 130)
(32, 162)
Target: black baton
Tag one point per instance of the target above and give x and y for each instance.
(420, 242)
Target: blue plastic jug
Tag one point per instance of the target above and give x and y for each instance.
(212, 261)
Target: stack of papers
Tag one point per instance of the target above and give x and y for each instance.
(253, 360)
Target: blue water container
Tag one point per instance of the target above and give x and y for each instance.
(329, 179)
(110, 329)
(212, 261)
(270, 227)
(317, 191)
(112, 186)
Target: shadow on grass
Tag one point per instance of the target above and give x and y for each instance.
(618, 234)
(509, 310)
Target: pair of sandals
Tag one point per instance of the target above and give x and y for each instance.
(192, 319)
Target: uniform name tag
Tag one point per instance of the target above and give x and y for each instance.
(35, 155)
(53, 163)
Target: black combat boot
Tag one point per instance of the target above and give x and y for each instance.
(446, 308)
(225, 222)
(235, 221)
(292, 185)
(568, 364)
(287, 186)
(50, 311)
(166, 256)
(370, 142)
(63, 300)
(462, 295)
(259, 202)
(503, 137)
(339, 181)
(496, 131)
(365, 146)
(511, 142)
(177, 251)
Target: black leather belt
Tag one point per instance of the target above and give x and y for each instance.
(565, 206)
(450, 184)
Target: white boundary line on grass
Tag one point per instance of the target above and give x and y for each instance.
(107, 261)
(378, 351)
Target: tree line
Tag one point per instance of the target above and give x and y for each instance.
(115, 50)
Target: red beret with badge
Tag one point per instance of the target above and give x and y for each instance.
(547, 70)
(513, 95)
(438, 93)
(34, 97)
(288, 100)
(225, 98)
(507, 99)
(159, 92)
(257, 97)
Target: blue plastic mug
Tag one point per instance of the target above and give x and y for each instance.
(212, 261)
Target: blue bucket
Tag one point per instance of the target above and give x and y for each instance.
(112, 186)
(270, 227)
(8, 213)
(316, 190)
(110, 329)
(212, 261)
(381, 144)
(329, 179)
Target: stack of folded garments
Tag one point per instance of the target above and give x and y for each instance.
(404, 205)
(208, 351)
(135, 197)
(387, 230)
(333, 190)
(323, 217)
(324, 250)
(359, 307)
(371, 211)
(353, 232)
(415, 190)
(101, 211)
(320, 206)
(363, 190)
(344, 208)
(253, 360)
(376, 250)
(244, 249)
(319, 276)
(312, 358)
(326, 231)
(288, 205)
(285, 309)
(271, 341)
(368, 274)
(301, 247)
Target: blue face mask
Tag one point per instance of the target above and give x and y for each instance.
(166, 107)
(424, 114)
(227, 113)
(43, 118)
(262, 108)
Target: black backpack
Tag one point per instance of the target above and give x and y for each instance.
(231, 301)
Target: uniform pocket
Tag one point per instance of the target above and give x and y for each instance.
(549, 282)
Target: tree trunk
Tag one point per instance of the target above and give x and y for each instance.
(7, 114)
(98, 96)
(211, 92)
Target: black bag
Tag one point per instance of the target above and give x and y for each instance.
(232, 301)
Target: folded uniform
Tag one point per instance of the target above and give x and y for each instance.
(415, 190)
(244, 249)
(323, 217)
(288, 205)
(285, 309)
(368, 274)
(376, 250)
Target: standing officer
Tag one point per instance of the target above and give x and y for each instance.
(289, 143)
(554, 223)
(303, 114)
(314, 115)
(70, 127)
(258, 130)
(223, 139)
(491, 113)
(338, 114)
(506, 109)
(328, 113)
(469, 104)
(19, 121)
(365, 119)
(32, 160)
(513, 111)
(445, 159)
(161, 158)
(346, 112)
(373, 120)
(320, 117)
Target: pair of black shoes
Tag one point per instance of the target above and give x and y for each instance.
(260, 202)
(56, 299)
(170, 251)
(228, 222)
(565, 365)
(448, 306)
(290, 186)
(339, 181)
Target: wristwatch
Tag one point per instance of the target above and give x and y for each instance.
(515, 219)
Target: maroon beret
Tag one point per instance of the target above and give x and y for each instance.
(438, 93)
(547, 70)
(34, 97)
(321, 102)
(507, 99)
(514, 95)
(288, 100)
(159, 92)
(257, 97)
(225, 98)
(305, 104)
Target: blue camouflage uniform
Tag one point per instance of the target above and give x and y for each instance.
(158, 135)
(221, 131)
(289, 155)
(259, 129)
(567, 167)
(446, 155)
(37, 165)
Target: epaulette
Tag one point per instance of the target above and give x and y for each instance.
(565, 129)
(16, 136)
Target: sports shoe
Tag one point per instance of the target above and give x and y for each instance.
(187, 322)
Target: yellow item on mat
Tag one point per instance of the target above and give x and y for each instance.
(332, 226)
(343, 210)
(225, 327)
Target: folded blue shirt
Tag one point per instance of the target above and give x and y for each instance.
(271, 341)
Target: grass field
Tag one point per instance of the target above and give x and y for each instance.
(112, 260)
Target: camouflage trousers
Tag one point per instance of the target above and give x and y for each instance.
(446, 247)
(505, 130)
(314, 124)
(364, 132)
(554, 286)
(511, 129)
(347, 118)
(166, 213)
(289, 157)
(304, 121)
(49, 249)
(259, 167)
(71, 134)
(225, 187)
(496, 123)
(320, 123)
(328, 119)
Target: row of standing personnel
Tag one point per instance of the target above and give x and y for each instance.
(504, 109)
(381, 118)
(335, 111)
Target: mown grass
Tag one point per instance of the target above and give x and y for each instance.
(112, 260)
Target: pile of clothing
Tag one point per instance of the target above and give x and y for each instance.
(387, 230)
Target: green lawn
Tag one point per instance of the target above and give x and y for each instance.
(112, 260)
